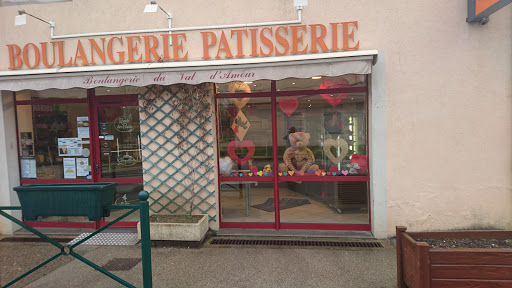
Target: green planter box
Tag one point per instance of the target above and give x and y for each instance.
(82, 199)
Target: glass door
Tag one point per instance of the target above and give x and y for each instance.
(118, 156)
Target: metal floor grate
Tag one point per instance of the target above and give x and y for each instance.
(299, 243)
(121, 264)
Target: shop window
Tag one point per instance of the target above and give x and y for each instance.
(321, 82)
(245, 136)
(333, 126)
(324, 182)
(244, 87)
(54, 141)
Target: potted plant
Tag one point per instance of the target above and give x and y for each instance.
(420, 266)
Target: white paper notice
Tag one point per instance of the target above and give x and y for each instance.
(82, 165)
(28, 168)
(70, 146)
(69, 168)
(82, 124)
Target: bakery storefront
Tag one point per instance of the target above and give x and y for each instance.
(275, 135)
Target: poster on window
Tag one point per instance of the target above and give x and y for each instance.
(27, 144)
(70, 146)
(69, 168)
(28, 168)
(82, 167)
(82, 124)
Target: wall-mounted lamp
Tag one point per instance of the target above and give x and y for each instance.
(152, 7)
(21, 19)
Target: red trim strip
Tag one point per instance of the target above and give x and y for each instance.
(89, 225)
(246, 178)
(311, 226)
(247, 225)
(324, 178)
(53, 181)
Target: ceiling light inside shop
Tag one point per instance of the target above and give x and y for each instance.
(316, 77)
(248, 82)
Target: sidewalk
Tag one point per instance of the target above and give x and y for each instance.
(208, 266)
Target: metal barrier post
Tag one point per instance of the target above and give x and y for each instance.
(145, 240)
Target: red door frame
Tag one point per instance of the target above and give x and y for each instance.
(109, 101)
(93, 101)
(277, 225)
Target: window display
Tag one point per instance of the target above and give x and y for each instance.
(321, 143)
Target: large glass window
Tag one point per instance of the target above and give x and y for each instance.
(322, 154)
(54, 141)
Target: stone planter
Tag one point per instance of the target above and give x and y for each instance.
(177, 230)
(419, 266)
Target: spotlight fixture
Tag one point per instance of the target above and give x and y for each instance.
(21, 19)
(152, 7)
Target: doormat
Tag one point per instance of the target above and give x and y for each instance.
(116, 239)
(284, 203)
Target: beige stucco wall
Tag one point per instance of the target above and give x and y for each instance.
(447, 90)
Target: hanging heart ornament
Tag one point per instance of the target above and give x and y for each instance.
(240, 103)
(288, 105)
(334, 99)
(339, 143)
(235, 144)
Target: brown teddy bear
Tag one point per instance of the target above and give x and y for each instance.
(298, 158)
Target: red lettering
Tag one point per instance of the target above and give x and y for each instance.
(26, 59)
(297, 38)
(319, 39)
(282, 40)
(240, 52)
(224, 46)
(347, 36)
(60, 45)
(100, 52)
(44, 54)
(178, 46)
(207, 44)
(15, 60)
(267, 42)
(132, 49)
(150, 50)
(80, 53)
(109, 51)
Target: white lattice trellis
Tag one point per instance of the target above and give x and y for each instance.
(178, 156)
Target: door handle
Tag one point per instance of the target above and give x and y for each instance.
(98, 167)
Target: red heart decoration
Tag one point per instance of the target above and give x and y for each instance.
(362, 161)
(333, 168)
(340, 83)
(288, 105)
(254, 169)
(235, 144)
(232, 111)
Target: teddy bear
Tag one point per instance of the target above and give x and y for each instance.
(298, 157)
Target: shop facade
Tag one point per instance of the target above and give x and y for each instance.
(310, 124)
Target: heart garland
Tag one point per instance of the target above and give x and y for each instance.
(329, 143)
(340, 83)
(288, 105)
(235, 144)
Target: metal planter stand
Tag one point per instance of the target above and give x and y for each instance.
(68, 249)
